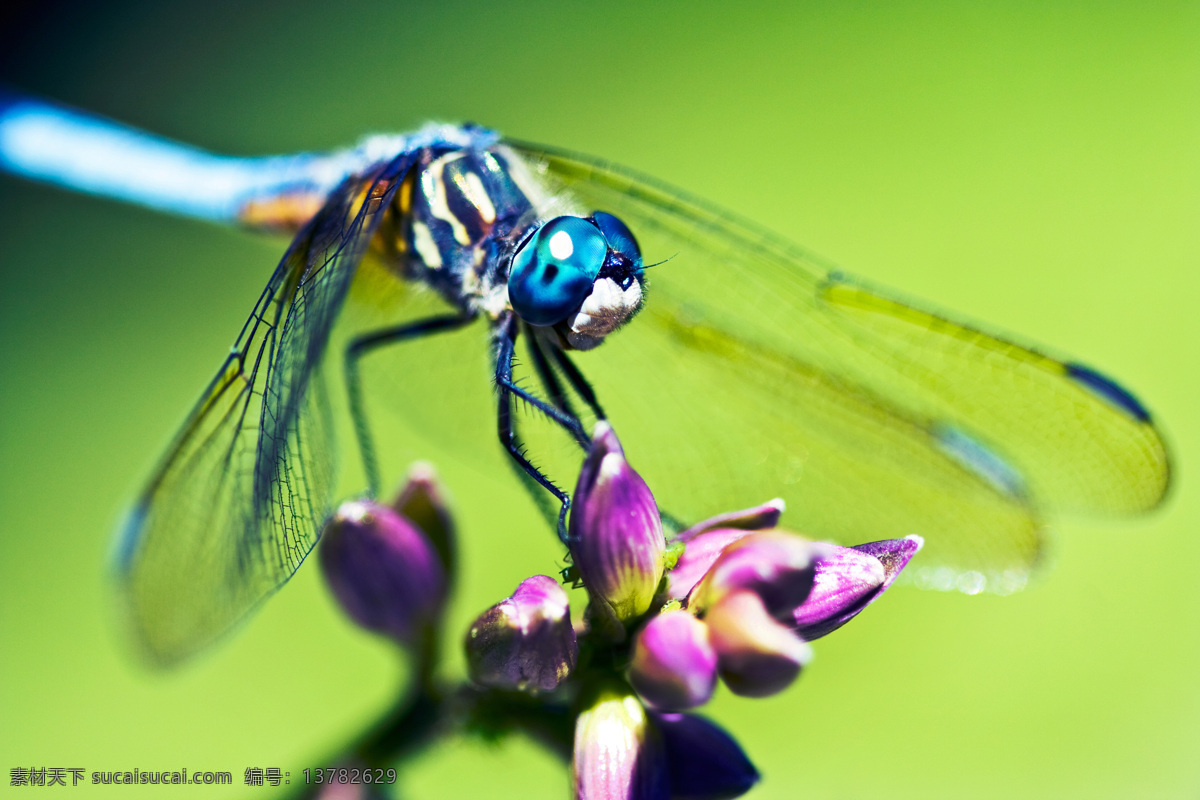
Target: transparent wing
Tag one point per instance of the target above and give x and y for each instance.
(754, 370)
(238, 501)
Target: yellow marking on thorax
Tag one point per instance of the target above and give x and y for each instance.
(404, 194)
(433, 185)
(471, 185)
(427, 248)
(395, 227)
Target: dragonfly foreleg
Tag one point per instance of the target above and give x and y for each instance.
(505, 349)
(550, 382)
(578, 382)
(364, 344)
(566, 419)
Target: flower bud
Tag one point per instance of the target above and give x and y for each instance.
(758, 518)
(776, 565)
(756, 655)
(699, 555)
(674, 666)
(616, 536)
(525, 643)
(422, 502)
(705, 540)
(618, 753)
(703, 761)
(383, 570)
(848, 579)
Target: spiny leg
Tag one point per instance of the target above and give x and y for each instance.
(505, 346)
(507, 339)
(366, 343)
(550, 382)
(578, 382)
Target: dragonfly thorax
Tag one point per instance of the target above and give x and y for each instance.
(470, 228)
(458, 216)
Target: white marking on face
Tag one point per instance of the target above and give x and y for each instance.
(607, 308)
(561, 246)
(427, 249)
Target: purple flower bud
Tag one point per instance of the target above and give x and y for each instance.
(848, 579)
(705, 541)
(422, 502)
(616, 536)
(383, 570)
(774, 564)
(525, 643)
(759, 518)
(703, 761)
(698, 557)
(618, 752)
(756, 655)
(674, 666)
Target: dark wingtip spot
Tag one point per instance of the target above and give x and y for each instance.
(1109, 390)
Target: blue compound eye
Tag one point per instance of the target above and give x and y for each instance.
(553, 271)
(619, 237)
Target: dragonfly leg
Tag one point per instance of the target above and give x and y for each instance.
(545, 371)
(578, 382)
(506, 336)
(366, 343)
(566, 419)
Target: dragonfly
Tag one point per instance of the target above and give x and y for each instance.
(735, 364)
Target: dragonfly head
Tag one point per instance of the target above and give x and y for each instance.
(579, 275)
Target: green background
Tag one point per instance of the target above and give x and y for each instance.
(1035, 166)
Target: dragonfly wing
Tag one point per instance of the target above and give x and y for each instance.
(239, 500)
(768, 373)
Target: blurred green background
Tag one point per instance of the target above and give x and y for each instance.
(1035, 166)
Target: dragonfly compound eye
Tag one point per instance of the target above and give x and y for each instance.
(553, 271)
(619, 237)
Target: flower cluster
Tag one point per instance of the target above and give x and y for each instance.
(741, 601)
(732, 600)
